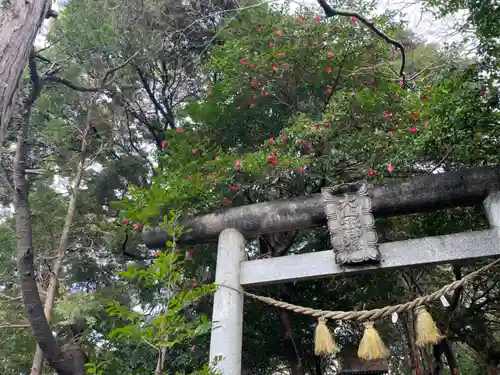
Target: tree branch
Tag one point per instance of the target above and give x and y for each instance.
(51, 14)
(331, 12)
(334, 87)
(71, 85)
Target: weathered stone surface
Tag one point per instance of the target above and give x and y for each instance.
(465, 187)
(415, 252)
(351, 225)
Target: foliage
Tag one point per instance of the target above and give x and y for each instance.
(218, 109)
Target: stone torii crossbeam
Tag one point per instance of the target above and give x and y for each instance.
(349, 215)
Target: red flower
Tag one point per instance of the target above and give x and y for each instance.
(426, 124)
(270, 44)
(425, 97)
(156, 253)
(299, 19)
(137, 226)
(254, 83)
(330, 90)
(252, 66)
(401, 84)
(413, 129)
(177, 250)
(330, 54)
(302, 169)
(389, 132)
(244, 62)
(271, 140)
(195, 150)
(371, 173)
(325, 124)
(271, 159)
(354, 20)
(395, 95)
(328, 69)
(266, 93)
(282, 54)
(317, 20)
(278, 32)
(179, 130)
(388, 115)
(389, 168)
(237, 164)
(261, 28)
(190, 251)
(163, 144)
(415, 117)
(190, 177)
(274, 68)
(234, 188)
(126, 222)
(228, 202)
(238, 174)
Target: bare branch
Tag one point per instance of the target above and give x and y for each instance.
(71, 85)
(441, 161)
(113, 70)
(331, 12)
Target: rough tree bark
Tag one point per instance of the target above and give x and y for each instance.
(25, 252)
(20, 21)
(37, 366)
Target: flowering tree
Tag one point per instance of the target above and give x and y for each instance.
(295, 102)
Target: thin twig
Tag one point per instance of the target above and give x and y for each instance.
(441, 161)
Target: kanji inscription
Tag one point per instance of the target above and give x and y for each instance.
(351, 224)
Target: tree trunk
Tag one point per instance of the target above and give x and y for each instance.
(450, 357)
(37, 366)
(291, 351)
(407, 325)
(276, 245)
(492, 368)
(20, 21)
(161, 361)
(25, 252)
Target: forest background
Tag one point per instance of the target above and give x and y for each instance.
(135, 112)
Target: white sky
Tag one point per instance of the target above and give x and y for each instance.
(422, 23)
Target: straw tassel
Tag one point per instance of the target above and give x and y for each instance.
(323, 341)
(427, 330)
(371, 345)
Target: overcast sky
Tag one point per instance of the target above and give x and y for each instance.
(421, 22)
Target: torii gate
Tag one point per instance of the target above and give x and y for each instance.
(466, 187)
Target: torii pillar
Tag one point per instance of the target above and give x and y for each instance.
(226, 340)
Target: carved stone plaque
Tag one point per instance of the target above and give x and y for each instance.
(351, 224)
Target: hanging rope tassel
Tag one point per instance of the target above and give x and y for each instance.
(427, 330)
(371, 345)
(323, 341)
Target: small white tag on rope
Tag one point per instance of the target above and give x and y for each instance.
(394, 317)
(444, 301)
